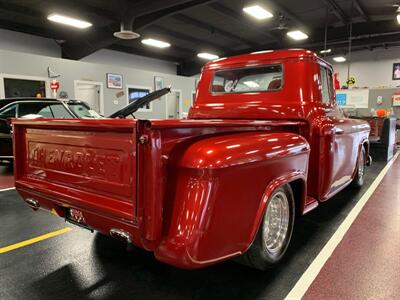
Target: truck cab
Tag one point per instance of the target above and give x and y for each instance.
(264, 143)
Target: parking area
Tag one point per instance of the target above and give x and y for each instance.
(55, 262)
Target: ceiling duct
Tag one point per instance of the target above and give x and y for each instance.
(126, 32)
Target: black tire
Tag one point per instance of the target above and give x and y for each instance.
(260, 255)
(358, 180)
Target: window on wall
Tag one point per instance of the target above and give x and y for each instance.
(137, 93)
(326, 88)
(14, 87)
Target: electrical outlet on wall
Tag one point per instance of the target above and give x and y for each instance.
(379, 100)
(116, 102)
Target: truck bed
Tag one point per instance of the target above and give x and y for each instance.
(114, 171)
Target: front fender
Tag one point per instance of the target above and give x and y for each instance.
(219, 193)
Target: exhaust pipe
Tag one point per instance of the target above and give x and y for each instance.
(34, 204)
(121, 235)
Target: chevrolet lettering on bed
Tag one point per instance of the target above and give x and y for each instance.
(264, 143)
(89, 162)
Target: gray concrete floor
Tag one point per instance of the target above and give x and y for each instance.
(71, 266)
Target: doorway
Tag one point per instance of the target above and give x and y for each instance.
(91, 92)
(174, 105)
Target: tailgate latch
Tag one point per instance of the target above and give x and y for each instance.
(144, 139)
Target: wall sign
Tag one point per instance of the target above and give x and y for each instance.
(396, 71)
(355, 98)
(158, 83)
(114, 81)
(396, 99)
(54, 86)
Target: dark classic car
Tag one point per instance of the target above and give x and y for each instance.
(32, 108)
(36, 108)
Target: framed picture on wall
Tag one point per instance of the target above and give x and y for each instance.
(396, 71)
(114, 81)
(158, 83)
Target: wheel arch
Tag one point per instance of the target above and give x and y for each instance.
(297, 183)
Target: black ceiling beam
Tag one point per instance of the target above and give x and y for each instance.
(189, 68)
(289, 14)
(190, 38)
(142, 14)
(338, 11)
(361, 10)
(81, 8)
(238, 17)
(211, 28)
(359, 29)
(149, 19)
(358, 41)
(50, 33)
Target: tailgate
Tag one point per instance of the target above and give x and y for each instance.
(88, 164)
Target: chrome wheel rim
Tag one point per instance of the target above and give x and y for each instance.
(276, 223)
(361, 165)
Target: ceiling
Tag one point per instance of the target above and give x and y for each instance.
(217, 26)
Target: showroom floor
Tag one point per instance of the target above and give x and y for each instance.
(364, 265)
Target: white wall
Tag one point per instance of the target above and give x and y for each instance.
(12, 62)
(370, 68)
(116, 58)
(21, 42)
(27, 55)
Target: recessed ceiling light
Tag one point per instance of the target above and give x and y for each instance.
(398, 18)
(339, 59)
(297, 35)
(325, 51)
(156, 43)
(208, 56)
(68, 21)
(257, 12)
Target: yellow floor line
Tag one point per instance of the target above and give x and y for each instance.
(34, 240)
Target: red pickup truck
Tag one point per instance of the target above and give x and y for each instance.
(265, 142)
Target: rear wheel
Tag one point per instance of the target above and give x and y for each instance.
(275, 231)
(358, 180)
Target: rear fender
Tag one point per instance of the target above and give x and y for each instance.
(218, 196)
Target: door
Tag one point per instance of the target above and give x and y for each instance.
(90, 93)
(342, 141)
(173, 105)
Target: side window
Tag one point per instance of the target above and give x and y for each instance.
(9, 112)
(326, 90)
(60, 112)
(45, 112)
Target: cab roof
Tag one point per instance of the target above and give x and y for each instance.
(261, 56)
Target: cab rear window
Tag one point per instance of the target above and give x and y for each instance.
(245, 80)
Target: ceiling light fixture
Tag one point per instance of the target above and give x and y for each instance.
(398, 18)
(126, 35)
(297, 35)
(156, 43)
(339, 59)
(68, 21)
(208, 56)
(325, 51)
(257, 12)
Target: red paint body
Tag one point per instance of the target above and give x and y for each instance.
(194, 191)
